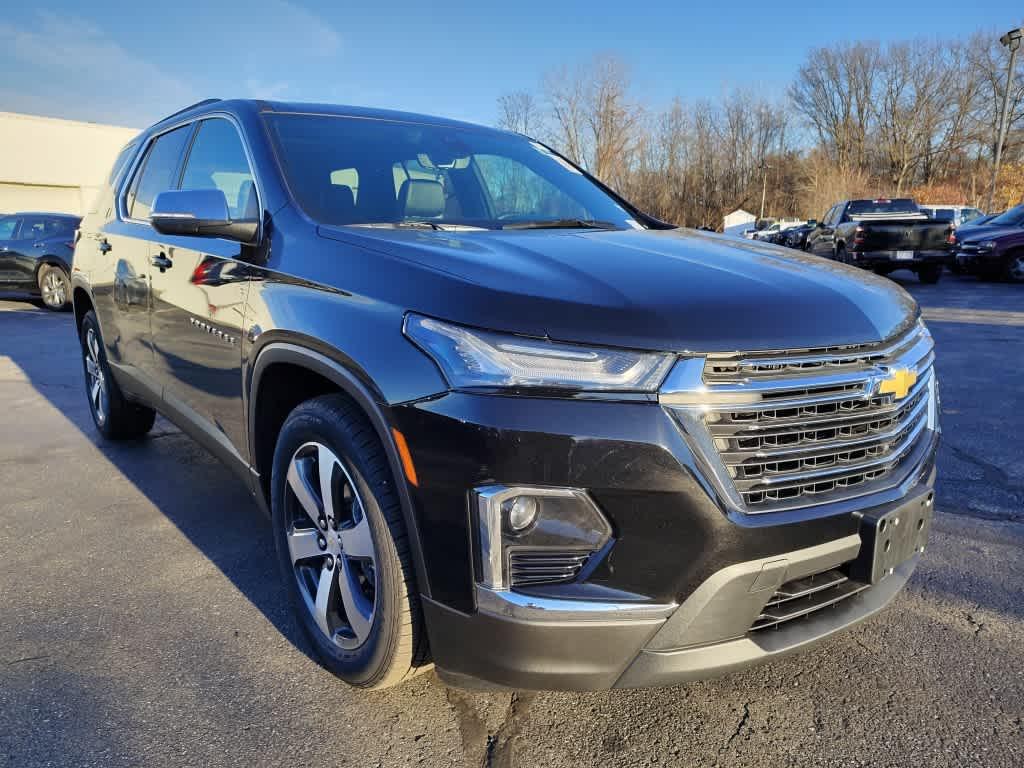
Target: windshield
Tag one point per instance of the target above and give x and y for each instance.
(1010, 218)
(862, 207)
(354, 171)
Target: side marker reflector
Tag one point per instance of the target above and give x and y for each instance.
(405, 456)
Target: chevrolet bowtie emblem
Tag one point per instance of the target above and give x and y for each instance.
(898, 382)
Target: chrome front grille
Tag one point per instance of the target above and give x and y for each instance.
(791, 429)
(803, 597)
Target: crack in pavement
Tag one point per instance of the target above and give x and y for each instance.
(977, 625)
(499, 746)
(744, 720)
(28, 658)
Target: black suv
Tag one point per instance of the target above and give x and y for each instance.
(35, 255)
(503, 421)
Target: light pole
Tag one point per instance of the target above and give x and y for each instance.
(764, 186)
(1012, 41)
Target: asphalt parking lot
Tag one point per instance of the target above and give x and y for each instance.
(142, 621)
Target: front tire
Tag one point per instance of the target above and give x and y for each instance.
(54, 288)
(114, 416)
(929, 274)
(342, 546)
(1013, 269)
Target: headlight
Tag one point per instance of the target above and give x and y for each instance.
(986, 245)
(474, 358)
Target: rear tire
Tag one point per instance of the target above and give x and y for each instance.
(114, 416)
(841, 254)
(929, 274)
(367, 628)
(54, 288)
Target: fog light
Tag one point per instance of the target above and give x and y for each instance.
(520, 512)
(533, 521)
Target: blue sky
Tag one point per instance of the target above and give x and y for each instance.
(98, 61)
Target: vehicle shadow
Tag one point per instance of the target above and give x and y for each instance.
(205, 501)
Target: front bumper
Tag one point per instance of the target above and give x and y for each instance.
(972, 261)
(674, 597)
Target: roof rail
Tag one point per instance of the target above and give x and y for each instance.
(202, 103)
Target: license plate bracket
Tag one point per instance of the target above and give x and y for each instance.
(904, 255)
(892, 538)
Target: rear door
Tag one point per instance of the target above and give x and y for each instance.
(199, 297)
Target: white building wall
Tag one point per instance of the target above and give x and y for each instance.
(737, 221)
(48, 164)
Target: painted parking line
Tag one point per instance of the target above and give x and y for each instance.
(974, 316)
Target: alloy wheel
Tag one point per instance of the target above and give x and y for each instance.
(53, 289)
(330, 545)
(1015, 269)
(96, 381)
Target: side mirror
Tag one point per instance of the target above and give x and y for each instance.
(819, 225)
(202, 212)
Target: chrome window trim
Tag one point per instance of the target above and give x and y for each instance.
(127, 178)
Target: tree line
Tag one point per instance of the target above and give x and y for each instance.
(862, 119)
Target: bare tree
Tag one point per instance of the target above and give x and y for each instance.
(833, 91)
(912, 116)
(611, 119)
(565, 94)
(519, 111)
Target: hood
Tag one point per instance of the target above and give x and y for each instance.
(672, 290)
(985, 232)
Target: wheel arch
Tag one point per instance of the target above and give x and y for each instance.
(317, 373)
(50, 260)
(82, 303)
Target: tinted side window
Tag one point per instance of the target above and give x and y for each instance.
(217, 161)
(32, 228)
(7, 226)
(157, 172)
(122, 159)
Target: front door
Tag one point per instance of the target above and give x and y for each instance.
(821, 238)
(125, 242)
(198, 296)
(8, 232)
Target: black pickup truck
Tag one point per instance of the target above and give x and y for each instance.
(883, 235)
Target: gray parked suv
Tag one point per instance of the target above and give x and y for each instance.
(503, 422)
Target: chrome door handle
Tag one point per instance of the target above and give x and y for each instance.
(162, 262)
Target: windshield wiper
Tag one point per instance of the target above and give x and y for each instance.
(420, 224)
(416, 224)
(560, 224)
